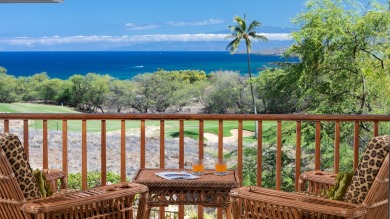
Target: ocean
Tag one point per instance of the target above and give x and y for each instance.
(127, 64)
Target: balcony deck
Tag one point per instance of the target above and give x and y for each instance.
(372, 125)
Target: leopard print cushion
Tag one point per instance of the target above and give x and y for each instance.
(367, 169)
(14, 151)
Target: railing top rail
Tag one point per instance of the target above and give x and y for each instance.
(120, 116)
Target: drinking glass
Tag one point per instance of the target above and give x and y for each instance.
(220, 167)
(198, 166)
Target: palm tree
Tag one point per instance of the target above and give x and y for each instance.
(239, 32)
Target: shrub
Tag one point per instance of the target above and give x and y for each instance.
(93, 179)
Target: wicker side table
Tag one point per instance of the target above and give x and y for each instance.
(209, 190)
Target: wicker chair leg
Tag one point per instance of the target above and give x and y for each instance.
(143, 211)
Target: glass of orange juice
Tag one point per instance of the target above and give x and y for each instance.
(220, 167)
(198, 166)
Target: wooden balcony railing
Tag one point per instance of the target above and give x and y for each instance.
(376, 122)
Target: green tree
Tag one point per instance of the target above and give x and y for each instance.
(121, 94)
(226, 91)
(32, 86)
(274, 96)
(97, 91)
(8, 89)
(243, 32)
(343, 49)
(78, 90)
(52, 90)
(3, 70)
(160, 91)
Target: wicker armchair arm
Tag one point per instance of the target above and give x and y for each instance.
(257, 202)
(316, 182)
(52, 178)
(79, 201)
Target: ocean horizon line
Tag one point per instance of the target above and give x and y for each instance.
(127, 64)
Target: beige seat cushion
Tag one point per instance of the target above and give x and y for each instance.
(14, 151)
(368, 168)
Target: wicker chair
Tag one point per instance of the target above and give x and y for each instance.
(311, 201)
(112, 201)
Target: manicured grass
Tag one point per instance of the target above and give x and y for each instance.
(191, 128)
(33, 108)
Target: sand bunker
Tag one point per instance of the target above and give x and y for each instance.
(213, 138)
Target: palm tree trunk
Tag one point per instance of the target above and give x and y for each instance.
(251, 85)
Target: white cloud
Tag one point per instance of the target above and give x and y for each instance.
(133, 26)
(194, 23)
(277, 36)
(127, 40)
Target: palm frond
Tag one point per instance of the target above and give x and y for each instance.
(253, 25)
(232, 35)
(257, 36)
(233, 45)
(241, 22)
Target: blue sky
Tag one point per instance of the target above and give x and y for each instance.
(140, 25)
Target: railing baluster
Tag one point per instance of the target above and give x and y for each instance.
(201, 155)
(259, 178)
(318, 146)
(376, 128)
(65, 146)
(162, 159)
(45, 146)
(103, 161)
(201, 139)
(162, 143)
(181, 144)
(142, 158)
(181, 160)
(84, 170)
(337, 147)
(6, 125)
(123, 150)
(239, 152)
(356, 145)
(25, 138)
(298, 142)
(220, 139)
(279, 156)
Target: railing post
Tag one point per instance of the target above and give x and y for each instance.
(259, 177)
(123, 150)
(103, 161)
(65, 164)
(181, 144)
(298, 142)
(318, 146)
(84, 170)
(356, 145)
(220, 139)
(25, 138)
(162, 144)
(45, 149)
(6, 125)
(279, 156)
(142, 158)
(239, 152)
(337, 147)
(376, 128)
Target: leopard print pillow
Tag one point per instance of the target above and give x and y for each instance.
(14, 151)
(367, 169)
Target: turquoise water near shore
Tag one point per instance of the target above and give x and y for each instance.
(127, 64)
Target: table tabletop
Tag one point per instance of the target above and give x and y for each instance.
(209, 180)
